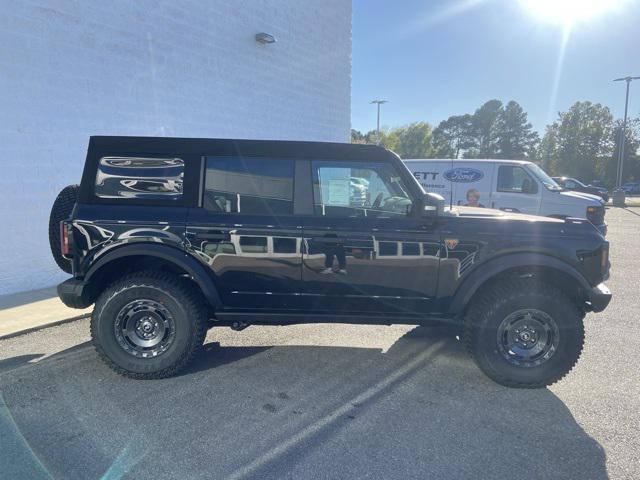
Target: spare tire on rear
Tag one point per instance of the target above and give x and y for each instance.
(61, 210)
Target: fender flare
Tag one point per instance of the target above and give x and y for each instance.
(180, 258)
(495, 266)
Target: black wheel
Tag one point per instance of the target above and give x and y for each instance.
(149, 325)
(524, 333)
(61, 209)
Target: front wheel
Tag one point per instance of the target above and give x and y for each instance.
(524, 333)
(149, 325)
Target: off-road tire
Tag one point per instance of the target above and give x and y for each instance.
(494, 304)
(61, 209)
(182, 301)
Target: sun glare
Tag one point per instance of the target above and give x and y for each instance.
(567, 12)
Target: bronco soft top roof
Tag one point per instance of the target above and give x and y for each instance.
(107, 145)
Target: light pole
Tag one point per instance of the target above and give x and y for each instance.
(624, 127)
(378, 102)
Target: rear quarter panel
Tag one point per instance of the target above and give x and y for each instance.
(99, 229)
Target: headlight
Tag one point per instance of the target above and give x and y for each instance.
(595, 214)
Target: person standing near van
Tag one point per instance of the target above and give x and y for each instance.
(473, 198)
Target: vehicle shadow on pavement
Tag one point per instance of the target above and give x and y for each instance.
(631, 211)
(420, 409)
(15, 362)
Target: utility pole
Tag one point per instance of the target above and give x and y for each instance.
(624, 128)
(378, 102)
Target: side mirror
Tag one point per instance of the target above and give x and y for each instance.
(432, 205)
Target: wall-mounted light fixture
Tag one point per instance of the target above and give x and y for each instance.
(265, 38)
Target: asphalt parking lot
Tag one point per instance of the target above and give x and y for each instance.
(328, 401)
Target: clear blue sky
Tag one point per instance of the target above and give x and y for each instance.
(436, 58)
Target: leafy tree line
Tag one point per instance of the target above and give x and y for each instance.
(583, 142)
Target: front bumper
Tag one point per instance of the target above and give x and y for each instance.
(75, 293)
(599, 297)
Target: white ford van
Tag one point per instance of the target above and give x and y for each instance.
(510, 185)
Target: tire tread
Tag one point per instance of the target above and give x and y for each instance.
(191, 300)
(491, 299)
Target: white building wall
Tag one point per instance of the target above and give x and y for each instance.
(71, 69)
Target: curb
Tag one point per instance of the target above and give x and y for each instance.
(43, 326)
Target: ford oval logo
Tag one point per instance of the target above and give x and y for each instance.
(463, 175)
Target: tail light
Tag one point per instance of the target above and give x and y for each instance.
(64, 239)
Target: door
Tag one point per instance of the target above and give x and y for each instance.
(365, 249)
(515, 190)
(245, 231)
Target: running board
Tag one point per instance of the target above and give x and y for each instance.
(235, 319)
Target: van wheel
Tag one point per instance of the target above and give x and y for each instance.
(524, 333)
(149, 325)
(60, 210)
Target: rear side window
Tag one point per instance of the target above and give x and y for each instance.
(251, 186)
(139, 177)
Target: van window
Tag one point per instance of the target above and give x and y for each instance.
(515, 179)
(251, 186)
(140, 178)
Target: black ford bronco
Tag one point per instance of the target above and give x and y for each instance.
(171, 236)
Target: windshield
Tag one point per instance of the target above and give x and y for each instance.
(548, 182)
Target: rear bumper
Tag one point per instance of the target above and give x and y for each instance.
(75, 293)
(599, 297)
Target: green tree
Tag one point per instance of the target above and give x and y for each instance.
(548, 149)
(453, 136)
(485, 130)
(584, 140)
(411, 141)
(631, 165)
(514, 135)
(388, 138)
(357, 136)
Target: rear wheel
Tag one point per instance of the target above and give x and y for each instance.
(524, 333)
(149, 325)
(61, 210)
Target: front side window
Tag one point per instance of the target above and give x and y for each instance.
(515, 179)
(251, 186)
(140, 178)
(355, 189)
